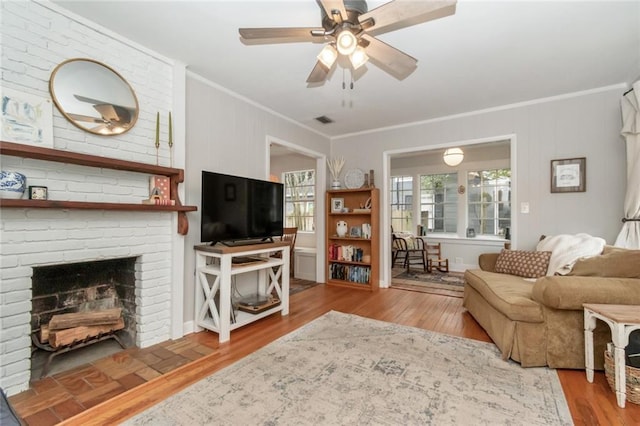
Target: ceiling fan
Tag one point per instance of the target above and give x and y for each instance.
(349, 29)
(111, 116)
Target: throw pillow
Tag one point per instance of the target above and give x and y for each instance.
(528, 264)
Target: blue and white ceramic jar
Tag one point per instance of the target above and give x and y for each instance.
(12, 184)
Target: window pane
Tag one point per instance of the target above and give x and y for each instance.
(489, 201)
(402, 203)
(439, 202)
(299, 187)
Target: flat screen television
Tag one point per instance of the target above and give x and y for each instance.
(238, 210)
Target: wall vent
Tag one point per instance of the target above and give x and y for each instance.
(324, 119)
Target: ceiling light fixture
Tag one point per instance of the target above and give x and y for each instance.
(346, 42)
(453, 156)
(358, 58)
(328, 55)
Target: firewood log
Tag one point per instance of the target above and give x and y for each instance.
(66, 337)
(44, 334)
(91, 318)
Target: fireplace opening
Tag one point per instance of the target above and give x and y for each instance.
(89, 290)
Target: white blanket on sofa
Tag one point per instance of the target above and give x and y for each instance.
(567, 249)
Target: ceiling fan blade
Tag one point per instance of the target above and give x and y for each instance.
(334, 5)
(281, 35)
(390, 59)
(81, 117)
(107, 111)
(318, 73)
(405, 13)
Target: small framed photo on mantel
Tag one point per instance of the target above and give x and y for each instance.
(569, 175)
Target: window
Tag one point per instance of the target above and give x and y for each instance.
(439, 202)
(402, 203)
(489, 201)
(300, 199)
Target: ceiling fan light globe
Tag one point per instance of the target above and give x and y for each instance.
(328, 55)
(346, 42)
(453, 156)
(358, 58)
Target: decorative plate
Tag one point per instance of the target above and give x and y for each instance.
(354, 179)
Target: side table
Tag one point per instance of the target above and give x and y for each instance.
(622, 319)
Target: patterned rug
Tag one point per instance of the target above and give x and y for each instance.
(444, 283)
(296, 285)
(342, 369)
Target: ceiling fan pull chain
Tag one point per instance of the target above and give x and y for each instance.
(344, 85)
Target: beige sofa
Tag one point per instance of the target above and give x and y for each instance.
(539, 322)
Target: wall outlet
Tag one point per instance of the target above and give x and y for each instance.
(458, 260)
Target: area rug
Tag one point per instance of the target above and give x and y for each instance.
(296, 285)
(342, 369)
(445, 283)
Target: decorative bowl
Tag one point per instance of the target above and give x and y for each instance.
(12, 184)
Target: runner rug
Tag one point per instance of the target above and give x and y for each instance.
(445, 283)
(342, 369)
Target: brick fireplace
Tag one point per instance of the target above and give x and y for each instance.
(32, 240)
(85, 287)
(36, 38)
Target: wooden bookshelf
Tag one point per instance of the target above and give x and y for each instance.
(353, 260)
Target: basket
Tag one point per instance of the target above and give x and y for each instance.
(632, 378)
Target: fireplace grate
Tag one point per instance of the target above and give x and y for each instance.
(77, 344)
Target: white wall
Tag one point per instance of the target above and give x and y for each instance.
(227, 134)
(580, 125)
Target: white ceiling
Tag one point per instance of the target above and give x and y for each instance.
(488, 54)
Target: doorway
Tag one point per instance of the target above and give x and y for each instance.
(460, 246)
(285, 158)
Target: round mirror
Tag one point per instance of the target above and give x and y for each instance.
(93, 97)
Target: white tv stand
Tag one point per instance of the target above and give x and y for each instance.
(214, 269)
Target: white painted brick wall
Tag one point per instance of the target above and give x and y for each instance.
(35, 38)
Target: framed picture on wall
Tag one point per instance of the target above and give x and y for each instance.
(569, 175)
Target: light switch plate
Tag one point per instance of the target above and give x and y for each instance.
(524, 208)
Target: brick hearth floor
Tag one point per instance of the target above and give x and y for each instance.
(61, 396)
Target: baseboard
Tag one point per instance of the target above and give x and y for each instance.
(306, 276)
(188, 327)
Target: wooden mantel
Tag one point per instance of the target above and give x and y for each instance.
(176, 176)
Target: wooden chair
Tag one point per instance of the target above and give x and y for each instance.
(398, 249)
(416, 255)
(290, 234)
(434, 258)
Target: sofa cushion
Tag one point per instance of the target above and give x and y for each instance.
(509, 294)
(529, 264)
(615, 262)
(571, 292)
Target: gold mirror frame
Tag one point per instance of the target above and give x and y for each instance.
(94, 97)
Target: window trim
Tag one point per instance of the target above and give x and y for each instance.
(462, 171)
(313, 216)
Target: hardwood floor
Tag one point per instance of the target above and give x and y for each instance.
(590, 404)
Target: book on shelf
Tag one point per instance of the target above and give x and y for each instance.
(159, 202)
(366, 231)
(347, 253)
(354, 273)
